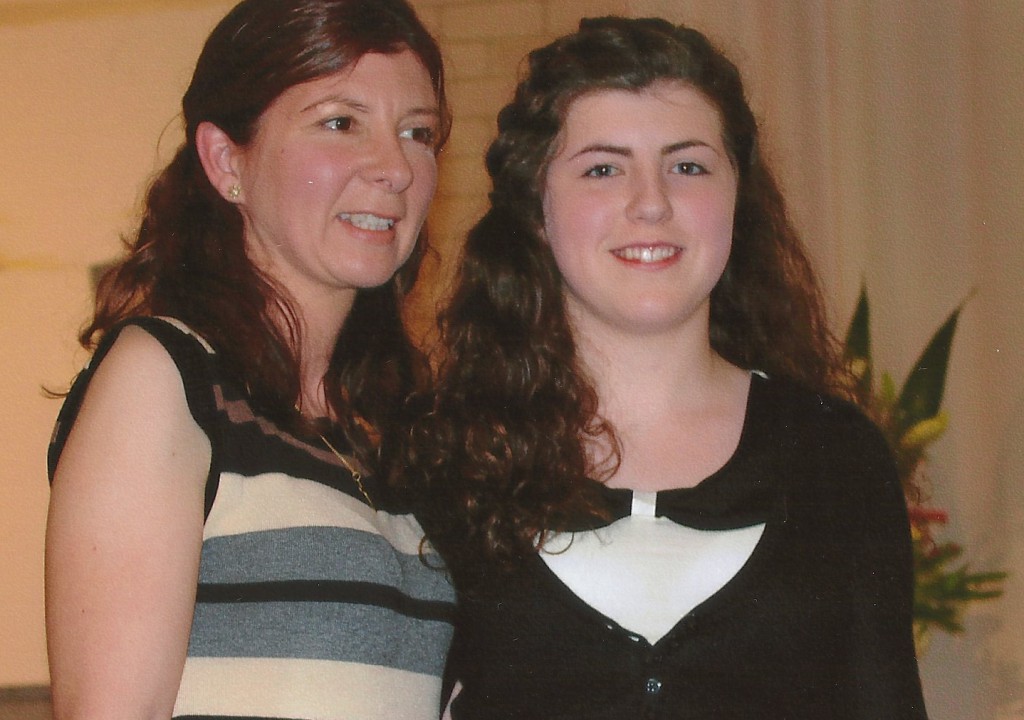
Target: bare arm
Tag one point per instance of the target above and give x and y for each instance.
(123, 539)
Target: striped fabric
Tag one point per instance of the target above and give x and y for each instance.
(310, 603)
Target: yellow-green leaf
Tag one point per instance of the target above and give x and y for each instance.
(925, 432)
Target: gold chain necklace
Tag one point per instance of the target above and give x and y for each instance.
(356, 475)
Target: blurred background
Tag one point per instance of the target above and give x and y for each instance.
(897, 129)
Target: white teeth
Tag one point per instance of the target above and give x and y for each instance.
(647, 254)
(366, 221)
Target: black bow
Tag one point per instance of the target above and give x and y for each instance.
(719, 503)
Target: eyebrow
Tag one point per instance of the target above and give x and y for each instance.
(358, 106)
(353, 104)
(627, 152)
(431, 111)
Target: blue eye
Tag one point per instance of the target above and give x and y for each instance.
(422, 135)
(603, 170)
(338, 123)
(689, 168)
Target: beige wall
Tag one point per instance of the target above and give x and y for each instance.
(86, 93)
(896, 128)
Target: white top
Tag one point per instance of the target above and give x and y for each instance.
(646, 573)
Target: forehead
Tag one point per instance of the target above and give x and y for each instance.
(374, 79)
(666, 106)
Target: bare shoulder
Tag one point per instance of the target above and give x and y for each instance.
(137, 362)
(124, 536)
(135, 412)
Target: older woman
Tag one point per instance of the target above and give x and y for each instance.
(226, 537)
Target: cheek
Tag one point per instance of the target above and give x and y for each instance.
(313, 172)
(318, 173)
(570, 219)
(719, 228)
(715, 213)
(424, 180)
(564, 237)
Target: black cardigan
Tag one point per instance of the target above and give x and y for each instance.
(817, 624)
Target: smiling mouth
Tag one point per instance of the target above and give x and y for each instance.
(368, 221)
(647, 254)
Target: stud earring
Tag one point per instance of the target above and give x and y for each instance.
(234, 191)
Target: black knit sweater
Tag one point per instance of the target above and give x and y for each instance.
(817, 624)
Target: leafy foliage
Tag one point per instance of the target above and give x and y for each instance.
(911, 420)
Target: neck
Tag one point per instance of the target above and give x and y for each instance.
(644, 373)
(320, 329)
(677, 407)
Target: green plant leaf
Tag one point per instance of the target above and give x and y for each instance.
(922, 434)
(911, 419)
(887, 395)
(857, 348)
(922, 392)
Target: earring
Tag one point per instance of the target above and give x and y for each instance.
(234, 191)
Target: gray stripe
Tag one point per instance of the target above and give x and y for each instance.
(320, 631)
(320, 553)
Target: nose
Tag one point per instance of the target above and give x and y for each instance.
(388, 165)
(649, 201)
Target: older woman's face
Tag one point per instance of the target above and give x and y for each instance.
(339, 175)
(638, 208)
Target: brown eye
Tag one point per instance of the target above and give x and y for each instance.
(341, 124)
(422, 135)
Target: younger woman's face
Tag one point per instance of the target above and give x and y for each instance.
(338, 177)
(638, 208)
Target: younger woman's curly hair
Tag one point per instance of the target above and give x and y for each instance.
(188, 258)
(514, 410)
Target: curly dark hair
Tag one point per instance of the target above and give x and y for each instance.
(188, 258)
(513, 408)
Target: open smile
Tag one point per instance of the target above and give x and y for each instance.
(368, 221)
(647, 254)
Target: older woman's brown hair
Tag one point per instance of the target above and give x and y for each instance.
(188, 258)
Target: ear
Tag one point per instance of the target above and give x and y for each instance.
(220, 157)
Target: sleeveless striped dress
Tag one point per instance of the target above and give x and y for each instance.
(310, 603)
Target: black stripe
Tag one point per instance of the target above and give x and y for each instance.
(358, 593)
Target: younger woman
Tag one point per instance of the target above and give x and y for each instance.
(663, 509)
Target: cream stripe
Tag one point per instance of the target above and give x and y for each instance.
(186, 330)
(276, 501)
(305, 689)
